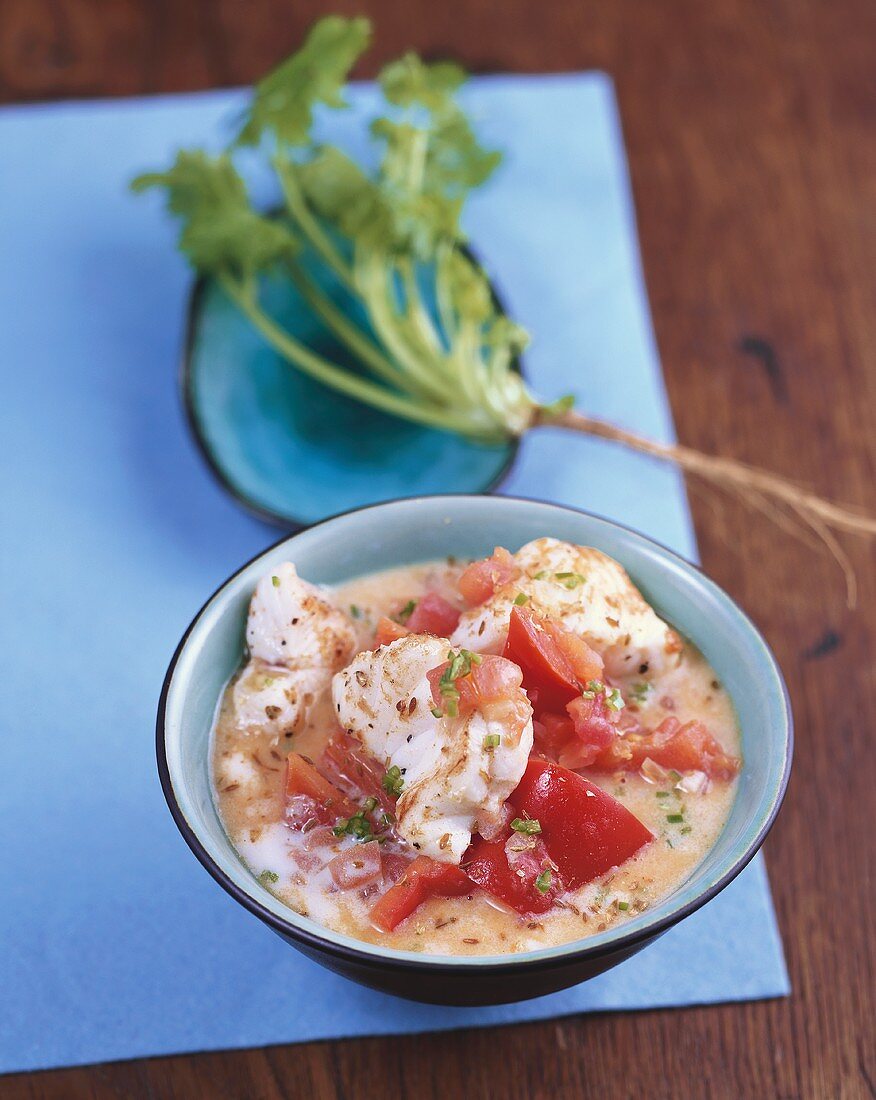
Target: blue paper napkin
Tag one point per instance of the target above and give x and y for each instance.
(115, 943)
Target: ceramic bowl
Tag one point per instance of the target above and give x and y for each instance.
(288, 448)
(424, 528)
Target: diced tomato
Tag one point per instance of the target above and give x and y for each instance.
(425, 878)
(388, 631)
(546, 668)
(481, 579)
(494, 689)
(586, 662)
(586, 831)
(553, 734)
(689, 747)
(358, 866)
(354, 771)
(433, 615)
(302, 779)
(486, 864)
(594, 729)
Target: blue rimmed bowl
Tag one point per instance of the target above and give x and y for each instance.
(423, 528)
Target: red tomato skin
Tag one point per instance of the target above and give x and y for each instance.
(424, 878)
(486, 864)
(586, 831)
(479, 581)
(388, 631)
(433, 615)
(546, 669)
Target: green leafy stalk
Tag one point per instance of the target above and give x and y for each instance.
(435, 347)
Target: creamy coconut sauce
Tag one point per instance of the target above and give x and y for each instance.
(249, 771)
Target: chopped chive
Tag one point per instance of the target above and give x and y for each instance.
(437, 712)
(369, 804)
(492, 741)
(674, 819)
(529, 826)
(392, 782)
(570, 580)
(675, 776)
(614, 700)
(521, 598)
(640, 692)
(407, 611)
(543, 882)
(623, 905)
(540, 576)
(686, 829)
(275, 581)
(662, 794)
(355, 613)
(268, 876)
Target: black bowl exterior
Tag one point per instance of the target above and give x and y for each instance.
(463, 987)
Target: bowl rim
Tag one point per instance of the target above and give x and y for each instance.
(186, 387)
(565, 954)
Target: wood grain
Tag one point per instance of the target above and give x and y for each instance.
(751, 133)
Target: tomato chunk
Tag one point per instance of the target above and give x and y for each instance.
(546, 669)
(425, 878)
(388, 631)
(481, 579)
(302, 778)
(354, 771)
(493, 688)
(486, 863)
(594, 730)
(586, 662)
(585, 830)
(688, 747)
(433, 615)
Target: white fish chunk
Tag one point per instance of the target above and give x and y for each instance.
(452, 775)
(297, 639)
(590, 594)
(294, 623)
(277, 699)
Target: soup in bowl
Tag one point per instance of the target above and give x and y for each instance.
(472, 749)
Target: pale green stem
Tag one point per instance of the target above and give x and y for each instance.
(316, 235)
(329, 374)
(346, 331)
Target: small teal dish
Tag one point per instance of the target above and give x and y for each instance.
(420, 529)
(288, 448)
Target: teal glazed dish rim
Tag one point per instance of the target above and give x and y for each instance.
(202, 426)
(472, 524)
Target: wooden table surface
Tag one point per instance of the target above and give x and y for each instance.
(751, 134)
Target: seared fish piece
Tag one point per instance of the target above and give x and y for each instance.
(590, 594)
(456, 771)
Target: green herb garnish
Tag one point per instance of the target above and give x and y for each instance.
(570, 580)
(275, 581)
(392, 782)
(543, 882)
(407, 611)
(459, 666)
(623, 906)
(520, 599)
(540, 575)
(640, 692)
(614, 700)
(675, 819)
(268, 877)
(529, 826)
(355, 612)
(492, 741)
